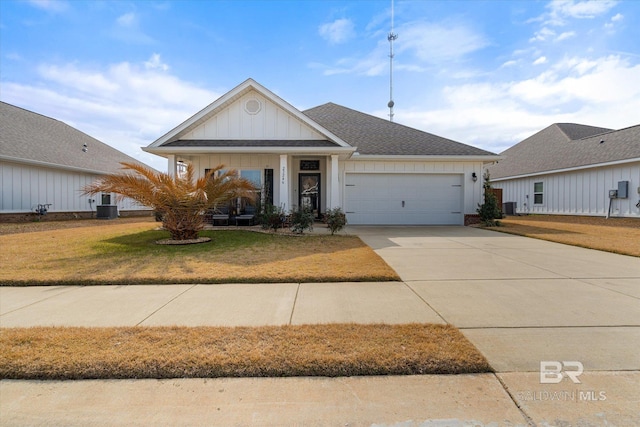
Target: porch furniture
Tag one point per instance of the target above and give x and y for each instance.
(220, 216)
(247, 217)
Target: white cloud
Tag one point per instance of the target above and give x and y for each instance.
(127, 29)
(543, 34)
(418, 44)
(617, 17)
(124, 105)
(338, 31)
(509, 63)
(581, 9)
(540, 61)
(127, 20)
(50, 5)
(437, 42)
(562, 10)
(154, 63)
(599, 92)
(565, 35)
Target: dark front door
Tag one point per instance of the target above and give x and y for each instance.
(309, 185)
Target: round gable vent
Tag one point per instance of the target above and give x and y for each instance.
(252, 106)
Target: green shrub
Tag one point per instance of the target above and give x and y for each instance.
(335, 220)
(272, 217)
(489, 211)
(301, 219)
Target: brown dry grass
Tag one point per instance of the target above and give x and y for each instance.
(209, 352)
(618, 235)
(125, 253)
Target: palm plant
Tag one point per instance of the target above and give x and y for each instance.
(182, 200)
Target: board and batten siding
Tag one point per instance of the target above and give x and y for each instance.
(270, 122)
(24, 187)
(579, 192)
(472, 191)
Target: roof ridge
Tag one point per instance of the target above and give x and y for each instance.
(608, 132)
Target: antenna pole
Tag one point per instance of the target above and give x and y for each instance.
(391, 37)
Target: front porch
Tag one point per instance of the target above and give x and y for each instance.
(288, 181)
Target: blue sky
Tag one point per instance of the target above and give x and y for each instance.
(485, 73)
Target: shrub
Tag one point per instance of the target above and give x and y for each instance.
(301, 219)
(489, 211)
(335, 220)
(272, 217)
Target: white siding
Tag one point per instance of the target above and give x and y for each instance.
(471, 191)
(581, 192)
(271, 122)
(24, 187)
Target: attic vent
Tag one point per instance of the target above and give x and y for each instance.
(252, 106)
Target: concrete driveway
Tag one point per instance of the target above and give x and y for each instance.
(523, 301)
(520, 301)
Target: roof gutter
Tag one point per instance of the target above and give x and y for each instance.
(444, 158)
(165, 151)
(576, 168)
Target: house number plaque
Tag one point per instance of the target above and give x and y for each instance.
(309, 165)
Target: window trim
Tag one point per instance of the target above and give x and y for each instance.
(538, 193)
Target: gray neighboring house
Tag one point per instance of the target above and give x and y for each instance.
(44, 161)
(331, 156)
(572, 169)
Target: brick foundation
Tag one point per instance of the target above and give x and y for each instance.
(471, 219)
(65, 216)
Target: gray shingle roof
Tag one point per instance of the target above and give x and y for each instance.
(553, 149)
(376, 136)
(576, 131)
(26, 135)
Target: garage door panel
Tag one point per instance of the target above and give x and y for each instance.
(429, 199)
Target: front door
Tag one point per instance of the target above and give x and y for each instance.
(309, 185)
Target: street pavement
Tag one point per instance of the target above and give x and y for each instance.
(520, 301)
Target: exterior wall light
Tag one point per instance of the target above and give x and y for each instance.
(474, 177)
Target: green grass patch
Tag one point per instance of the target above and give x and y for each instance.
(51, 353)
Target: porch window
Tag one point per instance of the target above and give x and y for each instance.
(538, 193)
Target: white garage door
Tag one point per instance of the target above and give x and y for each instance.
(403, 199)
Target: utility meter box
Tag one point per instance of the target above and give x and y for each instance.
(623, 189)
(613, 194)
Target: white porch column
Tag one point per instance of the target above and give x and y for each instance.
(284, 181)
(335, 184)
(172, 164)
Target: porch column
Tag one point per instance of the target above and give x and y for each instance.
(172, 164)
(284, 181)
(335, 184)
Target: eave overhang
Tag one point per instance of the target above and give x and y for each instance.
(565, 170)
(430, 158)
(324, 151)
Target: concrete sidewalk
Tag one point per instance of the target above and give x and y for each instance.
(520, 301)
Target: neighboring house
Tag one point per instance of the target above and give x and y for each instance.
(330, 156)
(44, 162)
(572, 169)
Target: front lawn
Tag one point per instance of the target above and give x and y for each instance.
(617, 235)
(125, 253)
(210, 352)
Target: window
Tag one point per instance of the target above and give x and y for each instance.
(255, 176)
(538, 193)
